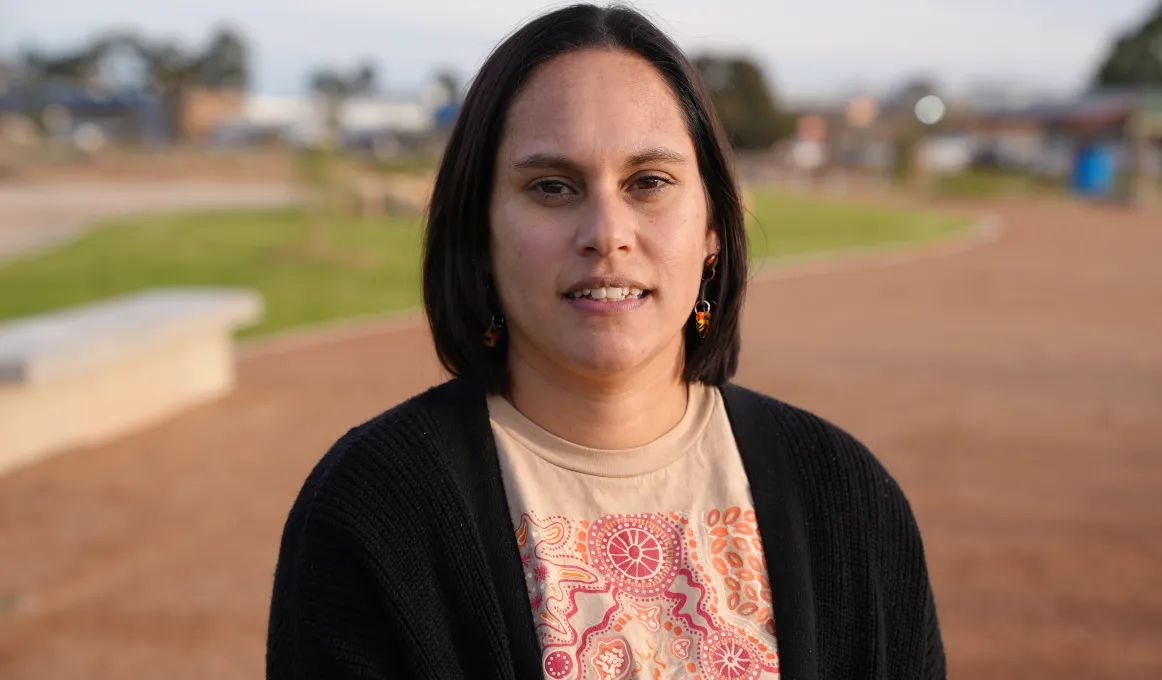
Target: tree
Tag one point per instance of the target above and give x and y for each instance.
(320, 166)
(121, 64)
(365, 80)
(225, 61)
(76, 67)
(449, 83)
(335, 87)
(222, 64)
(744, 102)
(908, 133)
(902, 103)
(172, 73)
(87, 66)
(1135, 58)
(125, 60)
(8, 72)
(360, 81)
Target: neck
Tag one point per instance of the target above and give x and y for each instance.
(601, 413)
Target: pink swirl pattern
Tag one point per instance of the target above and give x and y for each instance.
(650, 595)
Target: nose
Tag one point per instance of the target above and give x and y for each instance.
(607, 226)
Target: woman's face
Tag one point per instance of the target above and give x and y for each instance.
(599, 218)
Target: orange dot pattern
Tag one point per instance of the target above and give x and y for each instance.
(738, 558)
(646, 634)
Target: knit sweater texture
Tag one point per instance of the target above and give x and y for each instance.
(399, 559)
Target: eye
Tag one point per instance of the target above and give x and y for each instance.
(650, 185)
(552, 191)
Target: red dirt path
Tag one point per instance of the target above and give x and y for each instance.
(1015, 391)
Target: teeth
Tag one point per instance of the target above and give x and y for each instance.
(609, 293)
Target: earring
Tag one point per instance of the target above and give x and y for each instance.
(492, 333)
(702, 306)
(702, 318)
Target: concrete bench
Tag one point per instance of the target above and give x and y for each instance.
(83, 375)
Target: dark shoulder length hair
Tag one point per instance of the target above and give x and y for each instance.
(458, 296)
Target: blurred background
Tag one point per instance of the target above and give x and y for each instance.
(210, 222)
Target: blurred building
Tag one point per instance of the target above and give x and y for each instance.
(124, 116)
(382, 125)
(1126, 124)
(203, 108)
(1095, 141)
(110, 90)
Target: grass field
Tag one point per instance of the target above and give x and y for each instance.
(784, 224)
(372, 266)
(994, 183)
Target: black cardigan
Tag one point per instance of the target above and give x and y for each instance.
(399, 558)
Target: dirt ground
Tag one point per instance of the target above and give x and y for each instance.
(1015, 390)
(171, 163)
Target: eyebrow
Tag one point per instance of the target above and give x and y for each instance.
(548, 161)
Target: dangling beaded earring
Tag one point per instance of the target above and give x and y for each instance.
(492, 333)
(702, 306)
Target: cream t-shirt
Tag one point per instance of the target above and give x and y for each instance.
(642, 562)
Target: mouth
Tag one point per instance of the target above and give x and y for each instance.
(608, 293)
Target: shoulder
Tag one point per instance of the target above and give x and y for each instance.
(809, 437)
(829, 464)
(395, 462)
(844, 493)
(863, 545)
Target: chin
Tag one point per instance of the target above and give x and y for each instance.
(605, 365)
(608, 357)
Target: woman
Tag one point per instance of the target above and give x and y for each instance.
(589, 497)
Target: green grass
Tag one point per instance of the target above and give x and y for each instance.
(373, 265)
(994, 183)
(405, 164)
(784, 225)
(1001, 184)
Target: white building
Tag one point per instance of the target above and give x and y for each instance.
(302, 119)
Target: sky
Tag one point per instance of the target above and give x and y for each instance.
(809, 49)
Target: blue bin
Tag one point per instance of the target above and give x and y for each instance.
(1094, 172)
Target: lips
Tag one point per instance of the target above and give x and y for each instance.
(607, 289)
(610, 294)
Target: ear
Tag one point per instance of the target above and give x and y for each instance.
(711, 242)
